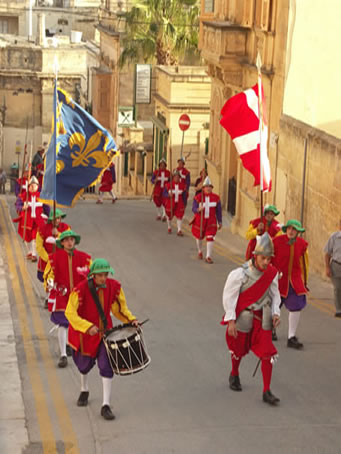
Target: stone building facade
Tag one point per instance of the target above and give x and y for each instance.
(26, 88)
(179, 90)
(231, 33)
(308, 172)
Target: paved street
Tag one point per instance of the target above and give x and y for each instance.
(181, 403)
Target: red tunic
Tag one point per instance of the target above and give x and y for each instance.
(64, 267)
(88, 345)
(209, 216)
(45, 231)
(160, 178)
(272, 230)
(106, 181)
(184, 175)
(287, 261)
(33, 216)
(258, 340)
(176, 207)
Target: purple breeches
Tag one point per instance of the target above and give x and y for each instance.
(86, 363)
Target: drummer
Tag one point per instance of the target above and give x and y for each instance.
(87, 327)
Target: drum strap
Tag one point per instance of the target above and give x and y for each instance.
(98, 303)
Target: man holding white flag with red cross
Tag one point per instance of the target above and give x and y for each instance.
(244, 118)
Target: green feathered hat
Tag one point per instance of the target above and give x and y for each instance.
(59, 214)
(271, 208)
(100, 266)
(67, 234)
(295, 224)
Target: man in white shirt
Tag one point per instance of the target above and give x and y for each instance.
(333, 266)
(251, 301)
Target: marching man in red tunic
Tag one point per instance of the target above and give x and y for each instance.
(175, 202)
(86, 328)
(30, 217)
(66, 268)
(185, 177)
(159, 179)
(107, 182)
(46, 238)
(258, 226)
(251, 301)
(207, 219)
(291, 259)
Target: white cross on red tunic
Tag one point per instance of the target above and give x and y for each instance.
(163, 179)
(176, 191)
(33, 204)
(207, 205)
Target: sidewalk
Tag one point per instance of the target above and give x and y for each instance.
(13, 431)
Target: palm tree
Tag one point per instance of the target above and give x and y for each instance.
(160, 31)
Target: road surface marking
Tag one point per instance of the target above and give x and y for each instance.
(43, 417)
(64, 419)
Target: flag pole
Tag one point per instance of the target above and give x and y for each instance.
(260, 110)
(27, 192)
(55, 100)
(24, 159)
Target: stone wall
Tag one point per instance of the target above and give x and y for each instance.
(322, 200)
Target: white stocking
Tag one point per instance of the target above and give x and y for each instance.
(169, 223)
(159, 211)
(163, 212)
(100, 196)
(294, 318)
(199, 245)
(112, 194)
(62, 332)
(84, 383)
(209, 249)
(179, 223)
(33, 248)
(106, 390)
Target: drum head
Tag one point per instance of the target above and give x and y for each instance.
(123, 333)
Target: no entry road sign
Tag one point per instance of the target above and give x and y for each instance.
(184, 122)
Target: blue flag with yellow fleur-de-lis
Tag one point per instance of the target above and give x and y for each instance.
(79, 151)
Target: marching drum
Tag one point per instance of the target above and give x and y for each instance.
(126, 350)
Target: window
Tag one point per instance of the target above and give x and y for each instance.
(3, 26)
(208, 6)
(265, 14)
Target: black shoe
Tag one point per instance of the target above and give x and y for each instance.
(338, 315)
(68, 350)
(62, 362)
(270, 399)
(274, 334)
(107, 413)
(293, 342)
(83, 399)
(235, 383)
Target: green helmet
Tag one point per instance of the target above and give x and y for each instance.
(100, 266)
(271, 208)
(59, 214)
(67, 234)
(293, 223)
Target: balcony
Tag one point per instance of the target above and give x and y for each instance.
(222, 42)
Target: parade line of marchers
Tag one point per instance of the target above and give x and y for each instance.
(79, 292)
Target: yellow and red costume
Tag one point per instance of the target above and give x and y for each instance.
(82, 313)
(66, 271)
(44, 243)
(273, 228)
